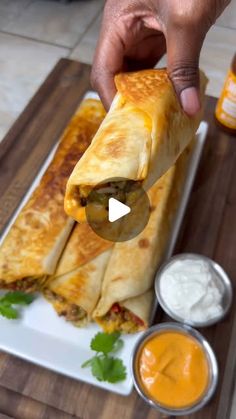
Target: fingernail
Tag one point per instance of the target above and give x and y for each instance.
(190, 100)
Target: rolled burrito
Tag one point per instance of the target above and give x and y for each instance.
(141, 137)
(127, 292)
(36, 240)
(75, 288)
(129, 316)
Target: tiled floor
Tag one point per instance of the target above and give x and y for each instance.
(55, 23)
(34, 34)
(24, 64)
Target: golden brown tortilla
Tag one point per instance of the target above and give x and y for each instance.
(140, 139)
(132, 264)
(75, 287)
(34, 243)
(127, 290)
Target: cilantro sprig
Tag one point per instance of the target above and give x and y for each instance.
(103, 366)
(105, 342)
(12, 299)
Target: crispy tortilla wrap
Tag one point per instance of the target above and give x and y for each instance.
(141, 137)
(76, 286)
(127, 291)
(35, 242)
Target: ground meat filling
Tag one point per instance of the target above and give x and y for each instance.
(76, 196)
(83, 201)
(123, 319)
(24, 284)
(71, 312)
(75, 313)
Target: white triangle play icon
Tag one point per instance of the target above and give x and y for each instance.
(117, 210)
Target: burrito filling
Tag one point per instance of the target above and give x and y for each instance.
(28, 284)
(121, 319)
(72, 312)
(121, 189)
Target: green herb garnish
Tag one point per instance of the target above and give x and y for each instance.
(11, 299)
(104, 342)
(103, 366)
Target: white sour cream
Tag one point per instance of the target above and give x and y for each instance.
(192, 290)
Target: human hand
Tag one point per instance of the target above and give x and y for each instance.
(135, 34)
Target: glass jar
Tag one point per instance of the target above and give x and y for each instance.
(226, 106)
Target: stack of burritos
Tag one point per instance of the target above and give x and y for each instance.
(145, 137)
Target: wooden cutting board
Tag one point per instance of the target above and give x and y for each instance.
(209, 228)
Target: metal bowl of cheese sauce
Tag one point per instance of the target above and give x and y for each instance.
(193, 289)
(174, 369)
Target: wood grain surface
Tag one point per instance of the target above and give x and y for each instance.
(30, 392)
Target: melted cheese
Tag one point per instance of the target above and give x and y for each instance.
(118, 325)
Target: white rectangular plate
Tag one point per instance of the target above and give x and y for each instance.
(43, 338)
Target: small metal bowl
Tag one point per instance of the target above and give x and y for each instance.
(223, 281)
(212, 364)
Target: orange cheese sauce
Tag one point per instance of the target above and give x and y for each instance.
(173, 369)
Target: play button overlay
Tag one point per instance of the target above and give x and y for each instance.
(118, 209)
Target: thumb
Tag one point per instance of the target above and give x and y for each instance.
(183, 51)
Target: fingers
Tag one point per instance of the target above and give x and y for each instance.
(107, 63)
(183, 51)
(147, 51)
